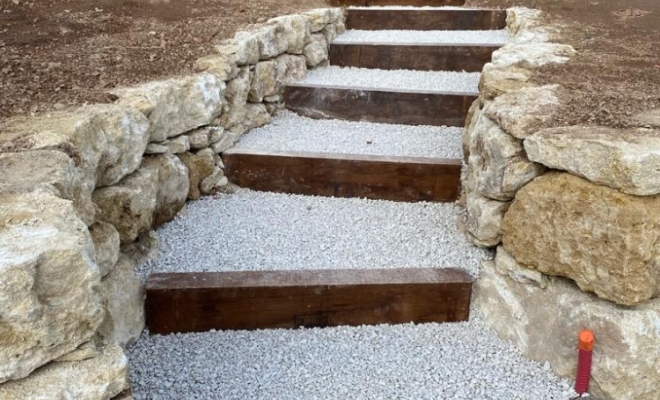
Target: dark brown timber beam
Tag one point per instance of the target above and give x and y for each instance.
(379, 105)
(416, 3)
(426, 20)
(407, 179)
(197, 302)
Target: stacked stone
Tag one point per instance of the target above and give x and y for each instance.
(78, 189)
(570, 202)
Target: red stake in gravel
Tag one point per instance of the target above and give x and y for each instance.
(585, 350)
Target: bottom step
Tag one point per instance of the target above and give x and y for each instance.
(342, 175)
(196, 302)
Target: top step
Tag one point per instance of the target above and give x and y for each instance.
(416, 3)
(425, 19)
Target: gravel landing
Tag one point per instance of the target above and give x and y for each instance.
(291, 132)
(250, 230)
(416, 362)
(413, 81)
(499, 37)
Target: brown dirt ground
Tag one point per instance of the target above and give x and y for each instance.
(60, 53)
(617, 71)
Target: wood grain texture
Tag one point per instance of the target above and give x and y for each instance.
(407, 179)
(426, 20)
(421, 57)
(385, 106)
(416, 3)
(197, 302)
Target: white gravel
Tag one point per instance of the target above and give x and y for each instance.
(250, 230)
(408, 80)
(496, 37)
(291, 132)
(416, 362)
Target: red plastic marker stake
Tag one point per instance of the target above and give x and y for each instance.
(586, 341)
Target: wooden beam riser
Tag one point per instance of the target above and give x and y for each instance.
(425, 20)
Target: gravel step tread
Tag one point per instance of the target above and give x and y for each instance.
(291, 132)
(408, 80)
(491, 37)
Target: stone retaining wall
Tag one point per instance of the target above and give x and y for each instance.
(78, 188)
(574, 216)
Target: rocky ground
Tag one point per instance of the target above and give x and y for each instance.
(616, 74)
(60, 53)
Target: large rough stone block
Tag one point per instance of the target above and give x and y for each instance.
(627, 160)
(316, 52)
(49, 303)
(297, 31)
(130, 204)
(99, 378)
(544, 323)
(106, 246)
(290, 68)
(320, 17)
(176, 106)
(604, 240)
(222, 66)
(484, 220)
(271, 39)
(523, 112)
(532, 55)
(171, 188)
(264, 81)
(496, 80)
(123, 300)
(200, 165)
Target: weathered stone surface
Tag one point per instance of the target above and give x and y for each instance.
(496, 80)
(471, 119)
(228, 139)
(243, 47)
(85, 351)
(319, 18)
(178, 145)
(199, 138)
(506, 265)
(176, 106)
(257, 115)
(99, 378)
(172, 186)
(200, 165)
(330, 32)
(499, 165)
(627, 160)
(484, 220)
(544, 323)
(316, 52)
(123, 300)
(130, 204)
(296, 30)
(271, 39)
(208, 184)
(155, 148)
(216, 133)
(224, 67)
(48, 280)
(340, 27)
(526, 26)
(603, 239)
(532, 55)
(106, 246)
(264, 81)
(290, 68)
(521, 113)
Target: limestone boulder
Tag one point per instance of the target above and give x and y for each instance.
(209, 185)
(49, 303)
(176, 106)
(264, 82)
(172, 186)
(623, 159)
(320, 17)
(177, 145)
(243, 48)
(506, 265)
(484, 220)
(544, 323)
(224, 67)
(473, 115)
(123, 300)
(297, 32)
(129, 205)
(100, 378)
(106, 246)
(604, 240)
(290, 68)
(316, 52)
(523, 112)
(496, 80)
(199, 138)
(200, 165)
(532, 55)
(330, 32)
(271, 39)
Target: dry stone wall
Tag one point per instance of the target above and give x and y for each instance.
(573, 215)
(78, 188)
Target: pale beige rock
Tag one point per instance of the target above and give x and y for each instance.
(264, 81)
(474, 113)
(340, 27)
(98, 378)
(316, 52)
(176, 106)
(532, 55)
(130, 204)
(603, 239)
(243, 47)
(208, 184)
(199, 138)
(484, 220)
(48, 282)
(521, 113)
(330, 32)
(271, 39)
(526, 26)
(257, 115)
(496, 80)
(172, 186)
(224, 67)
(623, 159)
(155, 148)
(544, 323)
(215, 133)
(200, 165)
(506, 265)
(290, 68)
(178, 145)
(227, 141)
(296, 30)
(319, 18)
(85, 351)
(106, 245)
(233, 117)
(499, 164)
(123, 300)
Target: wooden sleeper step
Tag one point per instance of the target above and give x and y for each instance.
(425, 19)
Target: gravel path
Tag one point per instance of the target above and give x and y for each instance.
(290, 132)
(251, 230)
(439, 81)
(424, 37)
(416, 362)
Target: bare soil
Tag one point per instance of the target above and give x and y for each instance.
(617, 71)
(60, 53)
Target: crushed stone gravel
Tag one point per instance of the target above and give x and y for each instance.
(249, 230)
(416, 362)
(409, 80)
(291, 132)
(495, 37)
